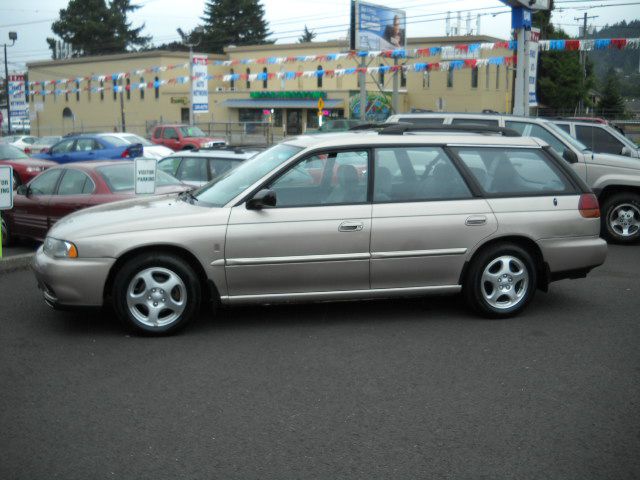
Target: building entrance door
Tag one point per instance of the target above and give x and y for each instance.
(294, 122)
(184, 115)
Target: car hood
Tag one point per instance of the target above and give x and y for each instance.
(619, 161)
(135, 215)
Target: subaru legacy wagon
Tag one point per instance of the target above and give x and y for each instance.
(336, 217)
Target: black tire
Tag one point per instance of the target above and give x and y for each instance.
(17, 181)
(7, 238)
(617, 209)
(139, 317)
(475, 289)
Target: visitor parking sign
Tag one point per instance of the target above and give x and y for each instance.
(6, 188)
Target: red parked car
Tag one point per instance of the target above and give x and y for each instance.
(24, 168)
(66, 188)
(184, 137)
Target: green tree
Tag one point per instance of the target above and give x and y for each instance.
(611, 104)
(307, 36)
(93, 27)
(561, 79)
(233, 22)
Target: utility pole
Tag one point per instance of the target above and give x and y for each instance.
(13, 36)
(122, 117)
(191, 44)
(583, 53)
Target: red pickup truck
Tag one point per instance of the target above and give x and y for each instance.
(184, 137)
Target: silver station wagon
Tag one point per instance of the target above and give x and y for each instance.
(336, 217)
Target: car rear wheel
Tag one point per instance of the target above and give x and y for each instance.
(621, 218)
(156, 294)
(17, 181)
(501, 281)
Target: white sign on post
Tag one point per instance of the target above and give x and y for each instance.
(145, 172)
(200, 85)
(532, 59)
(6, 187)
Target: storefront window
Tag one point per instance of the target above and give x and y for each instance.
(250, 115)
(312, 119)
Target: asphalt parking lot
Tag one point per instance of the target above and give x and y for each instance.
(384, 389)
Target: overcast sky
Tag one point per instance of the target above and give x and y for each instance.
(328, 18)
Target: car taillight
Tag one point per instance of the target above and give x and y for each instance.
(27, 150)
(125, 154)
(588, 206)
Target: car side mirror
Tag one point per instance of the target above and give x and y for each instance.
(570, 156)
(264, 198)
(626, 151)
(23, 190)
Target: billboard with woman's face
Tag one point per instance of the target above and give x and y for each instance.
(380, 28)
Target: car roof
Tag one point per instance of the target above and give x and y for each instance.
(94, 164)
(227, 154)
(368, 138)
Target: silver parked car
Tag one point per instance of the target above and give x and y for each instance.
(615, 179)
(336, 217)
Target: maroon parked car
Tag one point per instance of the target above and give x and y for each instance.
(66, 188)
(24, 168)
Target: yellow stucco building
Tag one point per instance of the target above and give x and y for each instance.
(251, 85)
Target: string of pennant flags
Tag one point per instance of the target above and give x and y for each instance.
(442, 51)
(420, 67)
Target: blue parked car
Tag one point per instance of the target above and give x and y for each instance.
(99, 146)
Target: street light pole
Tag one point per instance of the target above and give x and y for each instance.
(13, 36)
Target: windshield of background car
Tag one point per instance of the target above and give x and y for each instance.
(9, 152)
(575, 143)
(192, 132)
(136, 139)
(119, 178)
(231, 184)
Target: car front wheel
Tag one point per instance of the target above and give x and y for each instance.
(501, 281)
(156, 294)
(621, 218)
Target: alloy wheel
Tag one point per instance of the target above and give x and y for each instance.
(624, 220)
(156, 297)
(505, 282)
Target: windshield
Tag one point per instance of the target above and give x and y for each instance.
(231, 184)
(9, 152)
(136, 139)
(192, 132)
(119, 178)
(568, 138)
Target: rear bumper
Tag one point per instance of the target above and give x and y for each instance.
(71, 282)
(572, 257)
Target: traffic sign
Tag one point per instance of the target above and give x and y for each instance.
(6, 187)
(320, 104)
(145, 171)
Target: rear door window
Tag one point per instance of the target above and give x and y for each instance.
(599, 140)
(170, 133)
(193, 169)
(170, 165)
(515, 171)
(416, 174)
(64, 146)
(533, 130)
(220, 166)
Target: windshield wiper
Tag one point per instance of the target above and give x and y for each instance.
(189, 195)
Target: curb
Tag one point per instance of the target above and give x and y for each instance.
(16, 262)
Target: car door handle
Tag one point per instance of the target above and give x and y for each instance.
(475, 220)
(351, 227)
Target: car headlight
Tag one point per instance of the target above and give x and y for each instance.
(34, 169)
(60, 248)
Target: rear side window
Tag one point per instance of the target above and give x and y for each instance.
(514, 171)
(74, 182)
(599, 140)
(475, 122)
(416, 174)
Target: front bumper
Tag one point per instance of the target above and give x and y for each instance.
(77, 282)
(572, 254)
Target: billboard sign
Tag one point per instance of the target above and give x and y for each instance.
(200, 85)
(17, 99)
(529, 4)
(532, 64)
(380, 28)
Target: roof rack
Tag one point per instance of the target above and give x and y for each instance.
(401, 128)
(370, 126)
(232, 148)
